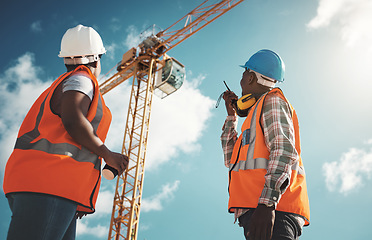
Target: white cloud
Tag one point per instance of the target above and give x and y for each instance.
(111, 50)
(177, 121)
(24, 71)
(353, 18)
(83, 228)
(133, 37)
(350, 172)
(104, 203)
(20, 85)
(155, 202)
(88, 224)
(36, 26)
(118, 101)
(115, 24)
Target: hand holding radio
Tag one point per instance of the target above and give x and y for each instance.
(230, 102)
(237, 105)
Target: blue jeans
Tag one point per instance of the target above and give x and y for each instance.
(286, 226)
(41, 217)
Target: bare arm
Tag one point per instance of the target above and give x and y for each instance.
(74, 108)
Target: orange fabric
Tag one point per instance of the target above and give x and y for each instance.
(40, 163)
(246, 185)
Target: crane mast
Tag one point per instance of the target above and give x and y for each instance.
(142, 67)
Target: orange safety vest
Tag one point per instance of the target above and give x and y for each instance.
(249, 162)
(47, 160)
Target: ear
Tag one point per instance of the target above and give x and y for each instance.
(94, 64)
(251, 78)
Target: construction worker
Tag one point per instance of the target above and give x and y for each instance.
(267, 184)
(53, 174)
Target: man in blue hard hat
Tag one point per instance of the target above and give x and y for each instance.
(267, 183)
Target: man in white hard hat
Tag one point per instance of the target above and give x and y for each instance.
(53, 174)
(267, 183)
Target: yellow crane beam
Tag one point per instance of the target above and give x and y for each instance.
(127, 198)
(142, 68)
(194, 21)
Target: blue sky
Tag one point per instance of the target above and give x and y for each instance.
(326, 46)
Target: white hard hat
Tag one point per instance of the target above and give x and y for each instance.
(81, 45)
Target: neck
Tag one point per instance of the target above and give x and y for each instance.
(73, 67)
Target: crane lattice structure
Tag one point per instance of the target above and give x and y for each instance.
(143, 68)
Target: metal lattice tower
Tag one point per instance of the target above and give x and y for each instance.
(142, 68)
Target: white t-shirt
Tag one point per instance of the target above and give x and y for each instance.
(79, 82)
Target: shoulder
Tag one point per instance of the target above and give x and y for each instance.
(79, 82)
(275, 97)
(275, 100)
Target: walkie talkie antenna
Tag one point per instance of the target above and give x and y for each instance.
(219, 98)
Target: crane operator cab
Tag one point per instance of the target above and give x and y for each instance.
(170, 77)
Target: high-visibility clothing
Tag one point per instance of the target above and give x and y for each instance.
(249, 162)
(47, 160)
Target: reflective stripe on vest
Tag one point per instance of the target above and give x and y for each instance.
(47, 160)
(262, 163)
(249, 138)
(25, 142)
(249, 164)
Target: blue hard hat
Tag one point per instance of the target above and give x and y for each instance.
(267, 63)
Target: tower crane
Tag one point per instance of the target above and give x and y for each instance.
(152, 71)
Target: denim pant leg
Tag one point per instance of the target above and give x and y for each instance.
(71, 230)
(285, 226)
(41, 217)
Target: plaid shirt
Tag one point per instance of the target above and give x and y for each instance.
(280, 140)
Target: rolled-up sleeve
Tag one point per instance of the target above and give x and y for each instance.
(228, 138)
(280, 140)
